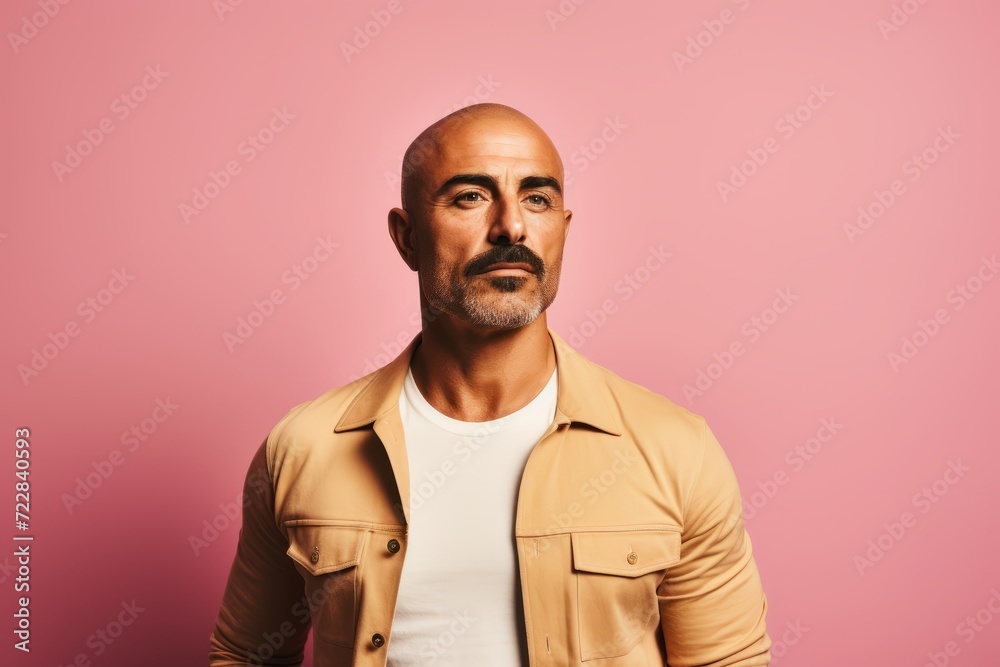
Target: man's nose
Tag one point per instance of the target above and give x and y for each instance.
(508, 222)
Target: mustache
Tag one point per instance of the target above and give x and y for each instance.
(506, 253)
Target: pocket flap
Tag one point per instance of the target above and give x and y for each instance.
(321, 548)
(627, 553)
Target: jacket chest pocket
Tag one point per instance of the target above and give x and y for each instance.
(617, 573)
(329, 559)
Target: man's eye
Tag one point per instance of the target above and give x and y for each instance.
(470, 196)
(539, 200)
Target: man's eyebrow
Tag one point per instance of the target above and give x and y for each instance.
(490, 183)
(534, 182)
(482, 180)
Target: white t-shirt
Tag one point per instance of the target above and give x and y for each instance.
(459, 597)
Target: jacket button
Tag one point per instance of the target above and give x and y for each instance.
(378, 640)
(632, 557)
(392, 546)
(315, 555)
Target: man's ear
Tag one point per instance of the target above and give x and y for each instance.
(403, 235)
(568, 216)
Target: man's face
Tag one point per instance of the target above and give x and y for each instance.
(490, 194)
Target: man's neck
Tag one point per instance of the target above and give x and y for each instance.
(471, 375)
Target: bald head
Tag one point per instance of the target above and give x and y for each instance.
(459, 126)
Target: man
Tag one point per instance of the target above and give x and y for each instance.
(490, 497)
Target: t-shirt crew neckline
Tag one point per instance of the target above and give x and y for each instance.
(427, 411)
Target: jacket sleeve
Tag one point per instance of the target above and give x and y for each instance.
(712, 603)
(264, 617)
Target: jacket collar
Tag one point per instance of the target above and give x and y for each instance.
(582, 393)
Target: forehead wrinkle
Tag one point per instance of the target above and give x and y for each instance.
(457, 135)
(511, 145)
(525, 160)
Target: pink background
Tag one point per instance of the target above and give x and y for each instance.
(654, 182)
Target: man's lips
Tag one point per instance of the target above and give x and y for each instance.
(508, 266)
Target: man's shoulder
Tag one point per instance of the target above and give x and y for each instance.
(316, 417)
(671, 439)
(644, 411)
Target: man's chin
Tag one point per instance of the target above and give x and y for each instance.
(503, 318)
(506, 325)
(507, 283)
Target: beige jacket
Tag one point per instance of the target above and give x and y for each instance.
(629, 531)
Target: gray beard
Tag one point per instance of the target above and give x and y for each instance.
(479, 312)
